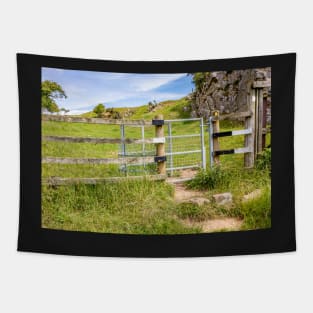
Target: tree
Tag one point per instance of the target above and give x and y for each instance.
(199, 79)
(99, 109)
(50, 91)
(64, 110)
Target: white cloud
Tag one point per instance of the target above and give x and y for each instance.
(146, 83)
(85, 88)
(76, 112)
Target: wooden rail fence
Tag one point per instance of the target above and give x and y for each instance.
(159, 157)
(59, 181)
(90, 120)
(255, 127)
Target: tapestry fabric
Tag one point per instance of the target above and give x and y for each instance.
(156, 159)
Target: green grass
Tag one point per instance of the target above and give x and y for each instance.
(194, 211)
(210, 179)
(170, 109)
(146, 207)
(130, 207)
(256, 213)
(240, 181)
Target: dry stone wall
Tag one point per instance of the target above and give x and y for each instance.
(227, 91)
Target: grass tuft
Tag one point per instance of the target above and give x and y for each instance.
(256, 213)
(193, 211)
(210, 179)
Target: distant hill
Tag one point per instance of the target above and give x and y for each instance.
(171, 109)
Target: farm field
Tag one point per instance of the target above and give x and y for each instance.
(147, 207)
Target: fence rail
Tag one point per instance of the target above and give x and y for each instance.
(158, 157)
(102, 140)
(128, 160)
(59, 181)
(255, 127)
(90, 120)
(232, 116)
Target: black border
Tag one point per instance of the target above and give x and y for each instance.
(279, 238)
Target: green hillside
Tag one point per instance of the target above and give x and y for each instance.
(171, 109)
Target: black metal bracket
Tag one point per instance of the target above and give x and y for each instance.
(221, 152)
(158, 122)
(158, 159)
(222, 134)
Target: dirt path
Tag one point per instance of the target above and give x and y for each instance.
(216, 224)
(182, 194)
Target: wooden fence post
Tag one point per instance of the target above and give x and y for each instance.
(250, 123)
(260, 114)
(169, 125)
(259, 120)
(265, 106)
(160, 147)
(216, 129)
(123, 146)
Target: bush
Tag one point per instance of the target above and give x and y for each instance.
(210, 179)
(99, 109)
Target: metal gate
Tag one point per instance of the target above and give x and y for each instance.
(184, 144)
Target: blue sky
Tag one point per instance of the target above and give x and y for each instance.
(85, 89)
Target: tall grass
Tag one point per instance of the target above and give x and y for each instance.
(129, 207)
(210, 179)
(237, 180)
(256, 213)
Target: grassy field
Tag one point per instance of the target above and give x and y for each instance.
(145, 207)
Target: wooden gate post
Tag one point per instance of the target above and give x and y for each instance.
(265, 106)
(258, 120)
(260, 113)
(160, 147)
(250, 123)
(216, 129)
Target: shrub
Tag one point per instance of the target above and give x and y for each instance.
(99, 109)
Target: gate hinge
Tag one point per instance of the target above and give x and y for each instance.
(157, 122)
(158, 159)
